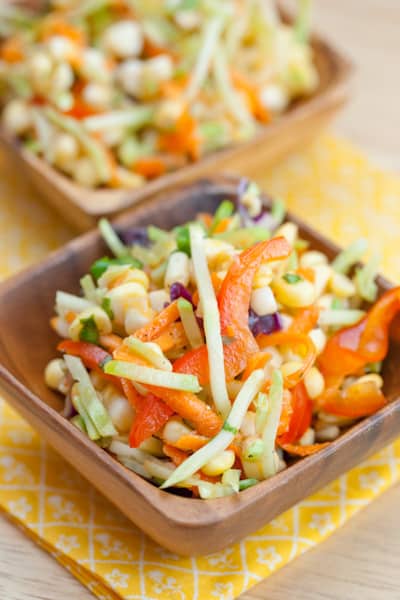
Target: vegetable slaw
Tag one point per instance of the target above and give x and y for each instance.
(205, 361)
(116, 92)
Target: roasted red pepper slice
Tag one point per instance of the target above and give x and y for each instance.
(151, 415)
(367, 341)
(301, 417)
(360, 399)
(233, 301)
(92, 356)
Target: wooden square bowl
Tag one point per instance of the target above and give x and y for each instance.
(302, 121)
(183, 525)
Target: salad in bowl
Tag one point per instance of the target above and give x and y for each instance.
(113, 93)
(209, 357)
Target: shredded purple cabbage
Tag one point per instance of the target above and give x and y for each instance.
(264, 324)
(264, 219)
(178, 290)
(69, 410)
(135, 235)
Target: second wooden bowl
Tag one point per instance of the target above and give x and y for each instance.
(82, 207)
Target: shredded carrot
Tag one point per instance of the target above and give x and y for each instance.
(150, 166)
(190, 408)
(223, 225)
(252, 95)
(216, 282)
(183, 139)
(256, 361)
(177, 456)
(303, 450)
(305, 320)
(173, 336)
(57, 26)
(156, 327)
(206, 219)
(151, 49)
(307, 273)
(191, 442)
(11, 50)
(70, 316)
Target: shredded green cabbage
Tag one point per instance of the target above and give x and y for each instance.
(351, 255)
(150, 376)
(365, 280)
(271, 428)
(212, 324)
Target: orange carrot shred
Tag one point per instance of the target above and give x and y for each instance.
(177, 456)
(156, 327)
(303, 450)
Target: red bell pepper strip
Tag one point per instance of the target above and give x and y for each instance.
(151, 415)
(233, 301)
(92, 356)
(367, 341)
(301, 417)
(356, 401)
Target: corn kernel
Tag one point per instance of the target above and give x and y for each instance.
(295, 295)
(121, 413)
(55, 375)
(342, 286)
(289, 231)
(126, 296)
(135, 319)
(322, 275)
(219, 254)
(325, 301)
(318, 337)
(124, 274)
(98, 381)
(17, 117)
(177, 269)
(312, 258)
(158, 299)
(153, 446)
(372, 378)
(327, 434)
(174, 429)
(324, 418)
(291, 367)
(314, 382)
(219, 464)
(123, 39)
(100, 318)
(263, 276)
(308, 437)
(263, 301)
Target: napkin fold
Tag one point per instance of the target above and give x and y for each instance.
(336, 189)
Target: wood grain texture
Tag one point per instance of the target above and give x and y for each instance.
(362, 559)
(82, 207)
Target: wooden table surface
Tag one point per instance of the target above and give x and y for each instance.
(362, 560)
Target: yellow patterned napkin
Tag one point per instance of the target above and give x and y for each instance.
(337, 190)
